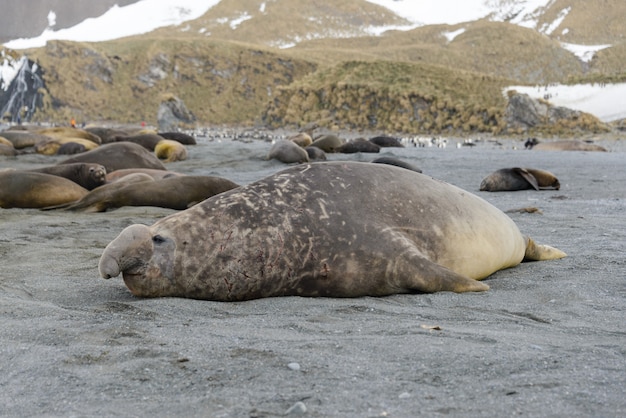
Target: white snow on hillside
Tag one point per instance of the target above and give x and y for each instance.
(605, 101)
(118, 22)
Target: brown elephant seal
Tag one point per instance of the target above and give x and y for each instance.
(287, 152)
(8, 150)
(566, 145)
(87, 175)
(302, 139)
(52, 146)
(358, 145)
(328, 143)
(179, 192)
(71, 148)
(386, 141)
(297, 232)
(168, 151)
(147, 140)
(61, 132)
(23, 189)
(517, 178)
(315, 153)
(397, 162)
(118, 155)
(155, 174)
(107, 135)
(181, 137)
(24, 139)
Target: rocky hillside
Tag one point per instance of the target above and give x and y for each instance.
(230, 67)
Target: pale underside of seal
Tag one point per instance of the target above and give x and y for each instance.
(334, 229)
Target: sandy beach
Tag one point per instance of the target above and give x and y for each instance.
(547, 340)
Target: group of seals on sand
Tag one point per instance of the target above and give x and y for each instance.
(301, 148)
(115, 174)
(64, 140)
(294, 232)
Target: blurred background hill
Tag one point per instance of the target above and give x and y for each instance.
(340, 64)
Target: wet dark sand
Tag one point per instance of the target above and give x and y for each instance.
(547, 339)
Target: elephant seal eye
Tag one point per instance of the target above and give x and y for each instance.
(158, 239)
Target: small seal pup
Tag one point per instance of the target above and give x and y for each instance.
(296, 232)
(517, 178)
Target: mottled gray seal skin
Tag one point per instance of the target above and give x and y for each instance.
(118, 155)
(88, 175)
(140, 189)
(316, 230)
(23, 189)
(518, 178)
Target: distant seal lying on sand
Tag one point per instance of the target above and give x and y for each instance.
(567, 146)
(316, 230)
(517, 178)
(179, 192)
(23, 189)
(118, 155)
(87, 175)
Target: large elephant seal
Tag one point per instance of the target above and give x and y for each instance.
(179, 192)
(23, 189)
(287, 152)
(155, 174)
(52, 146)
(87, 175)
(24, 139)
(147, 140)
(181, 137)
(358, 145)
(518, 178)
(565, 145)
(61, 132)
(316, 230)
(168, 150)
(328, 143)
(397, 162)
(118, 155)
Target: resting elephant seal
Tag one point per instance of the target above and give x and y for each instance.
(23, 189)
(181, 137)
(61, 132)
(287, 152)
(155, 174)
(358, 145)
(397, 162)
(328, 143)
(87, 175)
(52, 146)
(316, 230)
(118, 155)
(567, 146)
(516, 178)
(386, 141)
(168, 150)
(140, 189)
